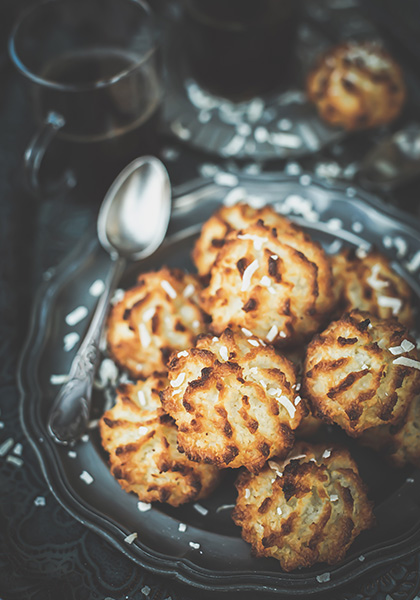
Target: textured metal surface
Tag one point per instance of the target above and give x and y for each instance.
(334, 215)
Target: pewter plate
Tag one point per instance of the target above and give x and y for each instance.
(223, 561)
(282, 124)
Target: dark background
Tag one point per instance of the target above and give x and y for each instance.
(44, 553)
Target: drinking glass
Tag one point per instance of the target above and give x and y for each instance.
(240, 48)
(93, 69)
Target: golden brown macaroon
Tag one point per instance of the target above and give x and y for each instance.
(233, 218)
(142, 444)
(356, 86)
(233, 400)
(370, 284)
(157, 316)
(399, 443)
(361, 372)
(279, 286)
(304, 510)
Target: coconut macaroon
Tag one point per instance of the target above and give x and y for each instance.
(361, 372)
(142, 444)
(400, 443)
(233, 400)
(304, 510)
(357, 86)
(158, 315)
(231, 218)
(370, 284)
(278, 286)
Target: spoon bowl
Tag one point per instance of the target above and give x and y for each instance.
(141, 189)
(132, 223)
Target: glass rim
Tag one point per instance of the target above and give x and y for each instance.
(72, 87)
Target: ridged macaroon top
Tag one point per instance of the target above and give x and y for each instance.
(306, 509)
(141, 440)
(371, 284)
(361, 372)
(234, 401)
(277, 285)
(233, 218)
(157, 316)
(357, 86)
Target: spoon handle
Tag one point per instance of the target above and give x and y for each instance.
(70, 411)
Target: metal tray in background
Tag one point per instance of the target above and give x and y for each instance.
(223, 563)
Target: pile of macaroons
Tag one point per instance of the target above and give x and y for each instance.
(230, 366)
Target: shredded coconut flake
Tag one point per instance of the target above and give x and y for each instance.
(149, 313)
(257, 239)
(144, 506)
(18, 449)
(86, 477)
(77, 315)
(97, 288)
(59, 379)
(333, 497)
(373, 280)
(200, 509)
(247, 493)
(274, 257)
(282, 334)
(194, 545)
(117, 296)
(297, 400)
(145, 337)
(248, 273)
(407, 362)
(182, 527)
(323, 578)
(141, 398)
(253, 342)
(178, 381)
(414, 263)
(224, 353)
(246, 332)
(40, 501)
(287, 405)
(272, 333)
(70, 340)
(224, 507)
(393, 303)
(107, 373)
(143, 430)
(326, 454)
(168, 289)
(361, 252)
(14, 460)
(72, 454)
(182, 353)
(5, 446)
(279, 511)
(188, 291)
(407, 346)
(130, 538)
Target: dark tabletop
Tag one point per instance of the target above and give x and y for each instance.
(44, 552)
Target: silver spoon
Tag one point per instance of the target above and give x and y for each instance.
(132, 223)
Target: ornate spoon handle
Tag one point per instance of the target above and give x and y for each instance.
(69, 414)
